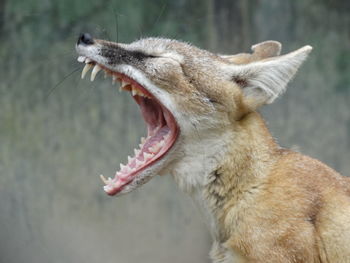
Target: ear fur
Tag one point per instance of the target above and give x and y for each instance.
(264, 80)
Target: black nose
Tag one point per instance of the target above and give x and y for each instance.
(85, 39)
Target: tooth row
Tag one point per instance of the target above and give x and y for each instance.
(123, 86)
(125, 170)
(129, 87)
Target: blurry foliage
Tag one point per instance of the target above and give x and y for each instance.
(57, 132)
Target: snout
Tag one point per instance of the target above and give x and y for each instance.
(85, 39)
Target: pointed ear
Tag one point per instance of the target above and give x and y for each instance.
(264, 80)
(261, 51)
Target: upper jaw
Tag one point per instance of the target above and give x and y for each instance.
(121, 184)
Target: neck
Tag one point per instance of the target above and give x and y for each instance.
(235, 164)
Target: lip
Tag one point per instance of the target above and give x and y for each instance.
(162, 129)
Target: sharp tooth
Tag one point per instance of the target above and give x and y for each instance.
(124, 84)
(104, 180)
(139, 92)
(105, 76)
(85, 70)
(122, 167)
(137, 152)
(139, 163)
(147, 156)
(81, 59)
(143, 140)
(134, 91)
(127, 169)
(87, 60)
(152, 149)
(130, 159)
(155, 148)
(96, 69)
(113, 79)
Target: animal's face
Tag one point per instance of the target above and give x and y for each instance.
(187, 96)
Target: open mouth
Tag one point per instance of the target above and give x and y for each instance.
(162, 129)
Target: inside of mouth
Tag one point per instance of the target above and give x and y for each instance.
(161, 134)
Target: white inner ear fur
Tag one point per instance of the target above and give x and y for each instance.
(265, 80)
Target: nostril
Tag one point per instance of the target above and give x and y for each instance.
(85, 39)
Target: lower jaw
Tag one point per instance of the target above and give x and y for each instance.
(156, 146)
(140, 176)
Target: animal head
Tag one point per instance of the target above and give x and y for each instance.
(188, 97)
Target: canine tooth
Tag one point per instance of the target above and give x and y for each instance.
(113, 79)
(81, 59)
(104, 180)
(147, 156)
(85, 70)
(105, 75)
(96, 69)
(87, 60)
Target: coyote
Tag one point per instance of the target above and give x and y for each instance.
(263, 203)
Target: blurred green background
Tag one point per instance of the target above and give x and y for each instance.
(58, 133)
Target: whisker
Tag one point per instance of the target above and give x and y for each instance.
(116, 24)
(60, 82)
(159, 16)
